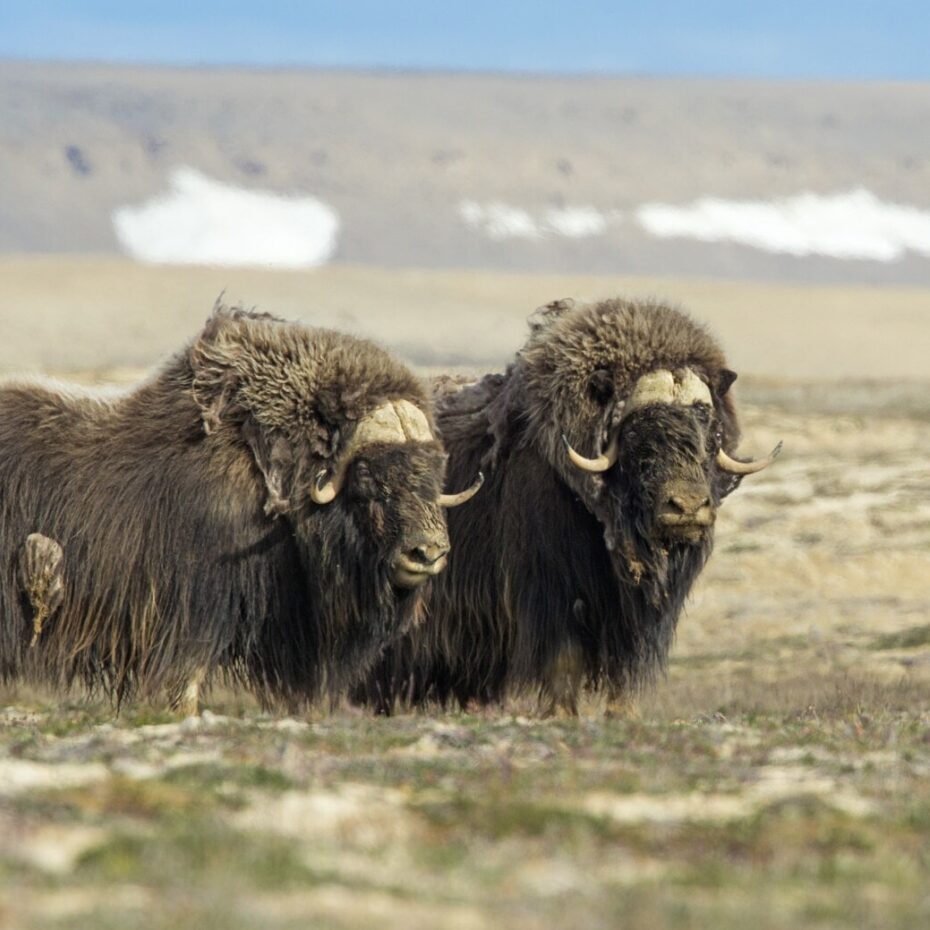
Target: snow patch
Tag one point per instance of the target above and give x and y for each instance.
(498, 221)
(576, 222)
(851, 225)
(200, 221)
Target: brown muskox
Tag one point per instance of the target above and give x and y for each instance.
(607, 447)
(270, 502)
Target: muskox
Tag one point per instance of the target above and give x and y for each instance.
(269, 503)
(607, 447)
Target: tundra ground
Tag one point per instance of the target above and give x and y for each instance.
(779, 776)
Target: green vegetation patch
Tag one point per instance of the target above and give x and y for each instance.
(911, 638)
(210, 777)
(192, 853)
(496, 816)
(148, 799)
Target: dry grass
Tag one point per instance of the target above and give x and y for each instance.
(94, 313)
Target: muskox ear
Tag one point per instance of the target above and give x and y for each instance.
(725, 379)
(543, 317)
(213, 359)
(275, 460)
(600, 387)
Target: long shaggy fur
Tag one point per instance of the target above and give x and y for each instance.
(558, 572)
(183, 514)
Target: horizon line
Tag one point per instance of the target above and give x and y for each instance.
(389, 70)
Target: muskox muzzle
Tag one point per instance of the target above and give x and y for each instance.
(419, 560)
(684, 512)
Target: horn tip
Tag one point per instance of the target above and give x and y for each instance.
(322, 493)
(777, 450)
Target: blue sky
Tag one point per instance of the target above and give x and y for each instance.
(848, 39)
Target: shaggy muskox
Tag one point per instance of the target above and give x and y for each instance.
(607, 447)
(270, 502)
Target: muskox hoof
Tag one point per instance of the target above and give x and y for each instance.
(564, 674)
(621, 705)
(41, 579)
(186, 698)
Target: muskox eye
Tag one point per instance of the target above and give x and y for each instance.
(601, 386)
(363, 483)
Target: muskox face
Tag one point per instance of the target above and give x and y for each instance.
(665, 478)
(392, 469)
(394, 495)
(664, 470)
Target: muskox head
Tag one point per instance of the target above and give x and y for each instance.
(390, 473)
(631, 404)
(341, 436)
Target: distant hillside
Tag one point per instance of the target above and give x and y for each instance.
(533, 174)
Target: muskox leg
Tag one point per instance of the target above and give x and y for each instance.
(621, 703)
(562, 680)
(42, 580)
(187, 698)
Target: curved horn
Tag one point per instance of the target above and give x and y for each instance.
(604, 461)
(746, 468)
(396, 421)
(453, 500)
(326, 493)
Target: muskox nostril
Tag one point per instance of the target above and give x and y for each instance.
(682, 505)
(686, 505)
(428, 555)
(675, 505)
